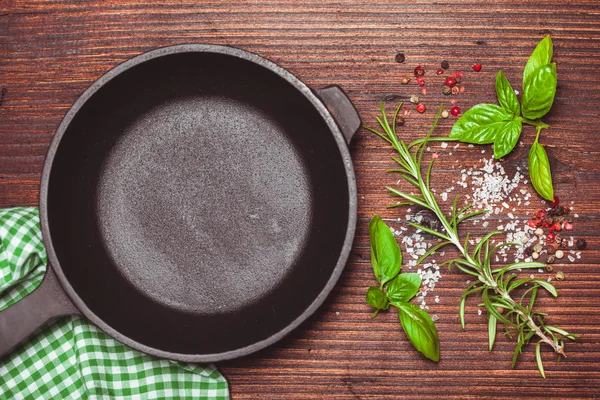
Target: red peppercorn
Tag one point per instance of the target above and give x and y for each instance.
(421, 107)
(568, 226)
(542, 213)
(419, 71)
(458, 74)
(439, 71)
(531, 223)
(450, 81)
(544, 224)
(477, 67)
(455, 90)
(550, 236)
(555, 202)
(455, 111)
(551, 229)
(557, 227)
(420, 81)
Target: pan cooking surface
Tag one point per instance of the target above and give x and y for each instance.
(204, 204)
(197, 203)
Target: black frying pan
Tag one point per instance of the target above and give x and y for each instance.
(197, 203)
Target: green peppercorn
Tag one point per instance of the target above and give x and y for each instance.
(560, 276)
(447, 90)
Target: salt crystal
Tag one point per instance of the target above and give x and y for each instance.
(444, 196)
(479, 312)
(444, 145)
(571, 258)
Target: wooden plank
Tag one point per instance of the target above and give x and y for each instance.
(53, 50)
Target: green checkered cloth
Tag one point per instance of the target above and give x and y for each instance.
(73, 359)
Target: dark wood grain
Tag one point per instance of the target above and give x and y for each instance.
(51, 51)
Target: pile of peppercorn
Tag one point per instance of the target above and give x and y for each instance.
(547, 223)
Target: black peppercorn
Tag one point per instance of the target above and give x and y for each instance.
(445, 64)
(400, 58)
(581, 244)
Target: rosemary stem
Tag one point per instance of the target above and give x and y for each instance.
(454, 239)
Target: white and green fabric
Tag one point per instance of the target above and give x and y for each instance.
(73, 359)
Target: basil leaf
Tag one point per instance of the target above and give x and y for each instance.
(376, 298)
(386, 257)
(539, 171)
(420, 330)
(541, 56)
(403, 288)
(539, 91)
(507, 136)
(479, 124)
(506, 95)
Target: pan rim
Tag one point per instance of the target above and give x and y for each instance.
(298, 85)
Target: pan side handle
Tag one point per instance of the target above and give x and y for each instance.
(20, 320)
(342, 110)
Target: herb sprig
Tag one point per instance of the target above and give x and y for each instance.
(502, 124)
(497, 286)
(397, 289)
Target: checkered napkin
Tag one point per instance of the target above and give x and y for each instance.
(72, 359)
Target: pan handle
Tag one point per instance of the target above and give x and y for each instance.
(341, 109)
(20, 320)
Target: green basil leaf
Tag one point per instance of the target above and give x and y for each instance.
(539, 171)
(386, 257)
(507, 136)
(479, 124)
(506, 95)
(420, 329)
(542, 55)
(539, 91)
(376, 298)
(403, 288)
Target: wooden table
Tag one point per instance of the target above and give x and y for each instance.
(51, 51)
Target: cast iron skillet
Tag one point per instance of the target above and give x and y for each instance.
(197, 203)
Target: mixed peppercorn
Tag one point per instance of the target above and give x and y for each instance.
(449, 84)
(548, 223)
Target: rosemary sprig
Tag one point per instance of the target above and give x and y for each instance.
(496, 286)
